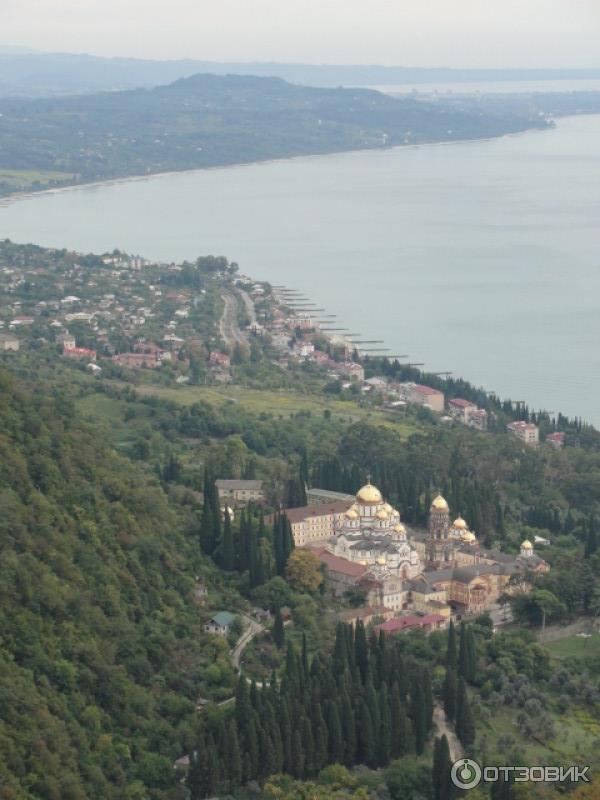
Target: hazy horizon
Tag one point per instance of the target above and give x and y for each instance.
(552, 34)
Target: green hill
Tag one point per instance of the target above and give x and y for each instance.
(101, 653)
(210, 120)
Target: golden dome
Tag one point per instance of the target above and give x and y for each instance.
(387, 507)
(399, 528)
(381, 561)
(439, 504)
(526, 545)
(460, 524)
(468, 536)
(369, 495)
(382, 514)
(352, 513)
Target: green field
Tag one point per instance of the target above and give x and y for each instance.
(576, 647)
(283, 403)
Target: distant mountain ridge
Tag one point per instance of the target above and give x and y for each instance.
(210, 120)
(47, 74)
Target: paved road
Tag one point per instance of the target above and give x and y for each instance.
(228, 325)
(249, 303)
(251, 631)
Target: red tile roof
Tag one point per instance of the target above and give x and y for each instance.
(425, 389)
(319, 510)
(341, 565)
(459, 402)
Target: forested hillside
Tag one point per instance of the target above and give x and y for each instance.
(210, 120)
(100, 649)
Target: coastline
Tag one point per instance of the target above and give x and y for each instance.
(11, 199)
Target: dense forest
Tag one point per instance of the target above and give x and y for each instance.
(100, 649)
(209, 120)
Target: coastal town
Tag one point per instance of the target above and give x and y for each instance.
(117, 313)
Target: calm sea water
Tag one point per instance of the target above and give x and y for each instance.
(482, 258)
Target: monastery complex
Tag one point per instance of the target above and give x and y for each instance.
(442, 571)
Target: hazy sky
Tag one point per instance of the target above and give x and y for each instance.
(492, 33)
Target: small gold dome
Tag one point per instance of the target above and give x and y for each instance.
(526, 545)
(352, 513)
(369, 495)
(469, 537)
(381, 561)
(439, 504)
(387, 507)
(460, 524)
(382, 514)
(399, 528)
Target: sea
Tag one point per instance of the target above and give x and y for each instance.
(479, 258)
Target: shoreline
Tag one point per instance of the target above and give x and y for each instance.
(17, 197)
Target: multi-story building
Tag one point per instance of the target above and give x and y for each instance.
(423, 396)
(527, 432)
(459, 409)
(557, 439)
(240, 492)
(311, 524)
(8, 343)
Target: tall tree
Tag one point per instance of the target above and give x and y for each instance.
(465, 727)
(278, 629)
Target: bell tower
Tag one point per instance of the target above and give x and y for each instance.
(439, 546)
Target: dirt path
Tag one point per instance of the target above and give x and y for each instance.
(443, 727)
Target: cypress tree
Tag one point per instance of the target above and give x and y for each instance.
(334, 734)
(267, 764)
(471, 656)
(373, 704)
(234, 760)
(442, 783)
(309, 746)
(348, 730)
(450, 693)
(251, 762)
(463, 658)
(197, 777)
(321, 741)
(227, 548)
(451, 656)
(419, 716)
(297, 755)
(427, 698)
(243, 708)
(365, 736)
(290, 661)
(360, 649)
(465, 728)
(398, 724)
(436, 769)
(285, 727)
(278, 629)
(206, 535)
(385, 731)
(305, 668)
